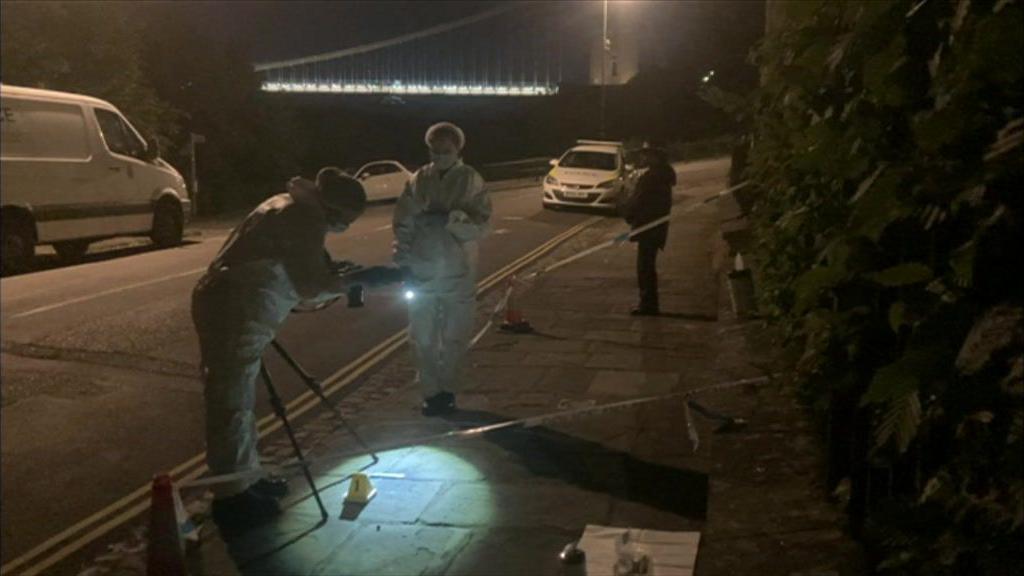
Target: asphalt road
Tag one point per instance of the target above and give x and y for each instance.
(99, 362)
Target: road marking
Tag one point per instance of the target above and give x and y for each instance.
(266, 425)
(512, 218)
(382, 228)
(117, 290)
(501, 231)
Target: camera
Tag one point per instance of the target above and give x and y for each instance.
(355, 296)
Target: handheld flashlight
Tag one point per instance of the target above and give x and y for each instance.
(409, 294)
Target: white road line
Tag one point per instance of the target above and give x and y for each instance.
(513, 218)
(382, 228)
(117, 290)
(501, 231)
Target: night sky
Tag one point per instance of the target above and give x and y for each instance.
(686, 35)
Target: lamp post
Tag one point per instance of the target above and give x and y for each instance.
(604, 62)
(194, 139)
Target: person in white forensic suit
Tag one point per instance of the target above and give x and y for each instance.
(274, 260)
(439, 220)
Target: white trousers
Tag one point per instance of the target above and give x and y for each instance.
(440, 327)
(236, 315)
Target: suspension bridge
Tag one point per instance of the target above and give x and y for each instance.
(512, 50)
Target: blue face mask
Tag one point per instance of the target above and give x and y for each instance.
(443, 161)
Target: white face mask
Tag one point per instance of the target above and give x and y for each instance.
(443, 161)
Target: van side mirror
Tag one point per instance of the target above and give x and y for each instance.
(152, 151)
(553, 162)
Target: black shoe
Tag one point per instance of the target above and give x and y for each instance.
(439, 404)
(645, 311)
(243, 510)
(271, 486)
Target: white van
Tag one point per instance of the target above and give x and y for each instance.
(73, 171)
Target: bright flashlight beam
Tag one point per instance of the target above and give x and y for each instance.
(409, 294)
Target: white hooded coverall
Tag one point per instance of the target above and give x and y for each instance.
(270, 263)
(437, 223)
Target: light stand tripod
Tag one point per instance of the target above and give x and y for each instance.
(355, 300)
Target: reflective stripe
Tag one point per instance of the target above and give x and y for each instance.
(91, 210)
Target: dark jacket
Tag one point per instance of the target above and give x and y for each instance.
(650, 200)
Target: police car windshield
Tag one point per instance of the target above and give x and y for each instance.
(588, 160)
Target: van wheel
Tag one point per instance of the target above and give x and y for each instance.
(167, 225)
(19, 247)
(72, 250)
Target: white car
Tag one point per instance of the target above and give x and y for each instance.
(383, 179)
(592, 173)
(76, 171)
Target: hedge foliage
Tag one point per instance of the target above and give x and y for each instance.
(887, 159)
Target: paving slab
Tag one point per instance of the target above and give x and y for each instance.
(632, 384)
(500, 504)
(391, 550)
(488, 553)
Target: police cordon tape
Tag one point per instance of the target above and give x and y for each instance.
(618, 240)
(527, 422)
(498, 309)
(75, 537)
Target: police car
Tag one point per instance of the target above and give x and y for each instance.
(593, 173)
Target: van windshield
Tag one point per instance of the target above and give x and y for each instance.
(588, 160)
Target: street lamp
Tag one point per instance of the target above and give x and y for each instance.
(605, 45)
(194, 139)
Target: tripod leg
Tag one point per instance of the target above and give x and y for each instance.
(314, 385)
(310, 381)
(279, 410)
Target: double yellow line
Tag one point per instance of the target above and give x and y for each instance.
(84, 532)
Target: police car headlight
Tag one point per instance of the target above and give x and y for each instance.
(551, 180)
(606, 184)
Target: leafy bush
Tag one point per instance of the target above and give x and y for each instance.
(887, 157)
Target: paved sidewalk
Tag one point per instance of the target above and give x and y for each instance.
(507, 502)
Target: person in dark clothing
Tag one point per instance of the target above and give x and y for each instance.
(650, 199)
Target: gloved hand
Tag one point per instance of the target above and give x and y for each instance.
(457, 217)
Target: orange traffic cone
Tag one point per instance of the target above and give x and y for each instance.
(514, 321)
(165, 554)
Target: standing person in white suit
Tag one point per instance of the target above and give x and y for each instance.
(438, 221)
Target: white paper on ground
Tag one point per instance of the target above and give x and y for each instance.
(671, 553)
